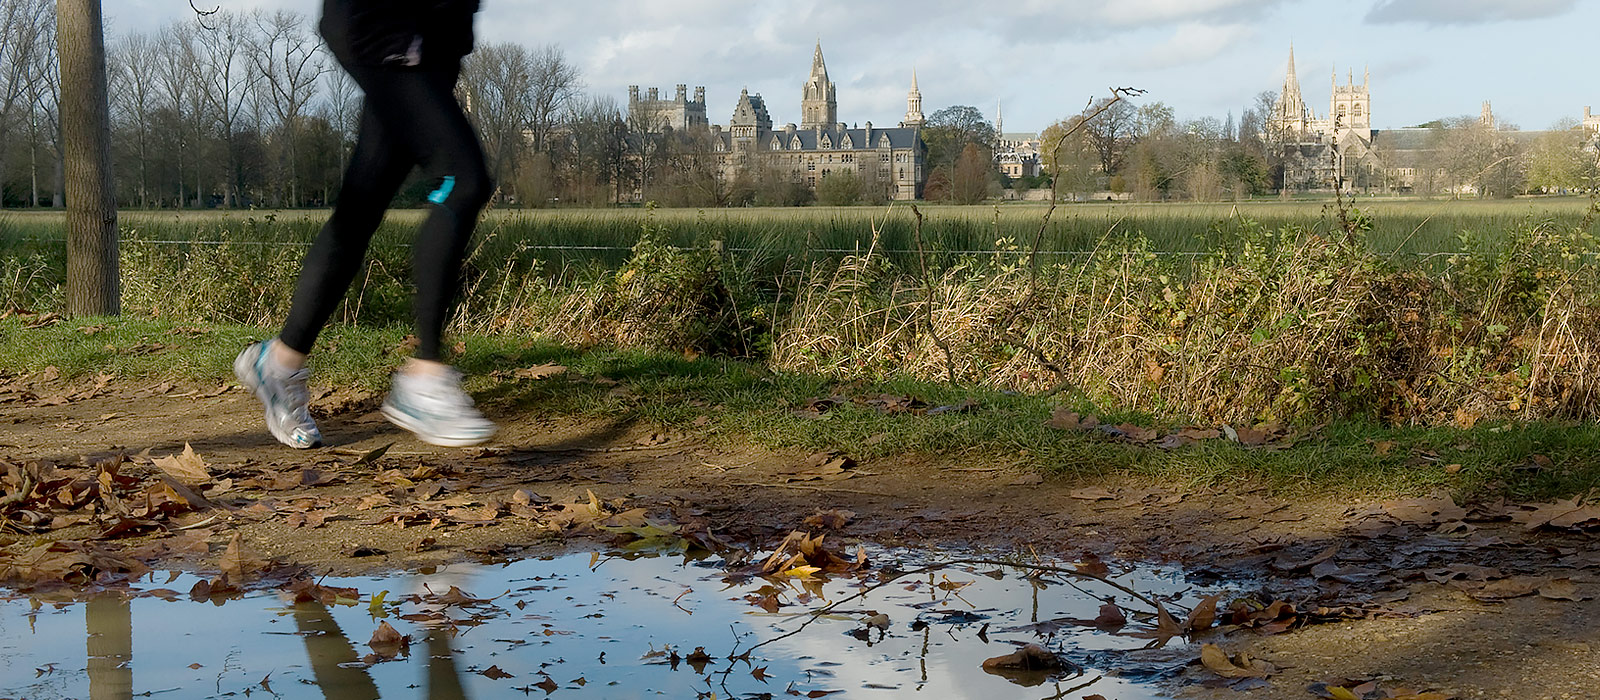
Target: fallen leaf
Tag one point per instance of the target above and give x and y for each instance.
(824, 466)
(1506, 589)
(1562, 589)
(187, 467)
(1030, 657)
(547, 685)
(1111, 617)
(1092, 493)
(832, 519)
(1203, 615)
(387, 641)
(494, 673)
(1240, 666)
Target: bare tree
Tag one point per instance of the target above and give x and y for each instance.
(496, 89)
(24, 24)
(92, 275)
(133, 69)
(285, 54)
(225, 78)
(180, 93)
(553, 83)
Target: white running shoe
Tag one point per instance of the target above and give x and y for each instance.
(285, 398)
(436, 409)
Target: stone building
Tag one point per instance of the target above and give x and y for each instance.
(892, 161)
(1319, 150)
(654, 115)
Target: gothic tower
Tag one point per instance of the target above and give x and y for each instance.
(1289, 114)
(914, 118)
(819, 107)
(1351, 105)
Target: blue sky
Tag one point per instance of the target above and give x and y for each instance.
(1046, 58)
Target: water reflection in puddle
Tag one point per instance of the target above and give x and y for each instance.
(628, 629)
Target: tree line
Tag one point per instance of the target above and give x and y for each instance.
(248, 110)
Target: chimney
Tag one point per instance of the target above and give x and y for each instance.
(700, 94)
(683, 93)
(789, 128)
(633, 93)
(868, 144)
(654, 94)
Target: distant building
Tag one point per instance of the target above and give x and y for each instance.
(654, 115)
(1591, 122)
(1318, 150)
(892, 159)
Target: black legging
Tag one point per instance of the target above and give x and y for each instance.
(409, 117)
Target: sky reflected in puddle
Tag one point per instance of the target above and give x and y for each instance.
(557, 627)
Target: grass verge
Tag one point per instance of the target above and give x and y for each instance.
(736, 401)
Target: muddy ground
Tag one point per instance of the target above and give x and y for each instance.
(1483, 600)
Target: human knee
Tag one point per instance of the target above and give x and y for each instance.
(463, 192)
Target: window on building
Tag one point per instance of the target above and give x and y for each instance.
(883, 157)
(811, 166)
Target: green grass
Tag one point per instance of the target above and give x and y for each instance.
(747, 402)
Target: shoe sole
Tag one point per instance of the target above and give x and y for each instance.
(245, 373)
(405, 421)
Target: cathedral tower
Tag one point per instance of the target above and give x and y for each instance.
(819, 106)
(914, 118)
(1351, 106)
(1289, 114)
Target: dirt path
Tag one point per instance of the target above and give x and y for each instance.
(1417, 594)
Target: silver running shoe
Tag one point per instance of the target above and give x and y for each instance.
(437, 410)
(285, 398)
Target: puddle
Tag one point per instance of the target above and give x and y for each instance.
(626, 629)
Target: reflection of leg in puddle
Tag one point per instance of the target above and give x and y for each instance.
(109, 619)
(334, 661)
(444, 680)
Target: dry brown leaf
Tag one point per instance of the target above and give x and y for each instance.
(1562, 589)
(1430, 510)
(1506, 589)
(824, 466)
(1030, 657)
(832, 519)
(187, 467)
(1092, 493)
(1239, 666)
(1203, 615)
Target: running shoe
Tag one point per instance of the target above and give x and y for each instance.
(285, 397)
(436, 409)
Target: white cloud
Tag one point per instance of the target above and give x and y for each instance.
(1446, 12)
(1191, 44)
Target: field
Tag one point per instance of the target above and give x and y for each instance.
(1405, 312)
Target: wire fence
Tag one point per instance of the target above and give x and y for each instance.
(829, 251)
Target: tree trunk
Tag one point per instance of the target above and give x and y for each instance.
(93, 287)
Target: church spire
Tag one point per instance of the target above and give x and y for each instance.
(1289, 114)
(914, 118)
(819, 106)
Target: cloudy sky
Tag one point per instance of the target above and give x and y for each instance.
(1044, 59)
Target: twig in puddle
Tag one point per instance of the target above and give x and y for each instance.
(1076, 688)
(675, 604)
(1161, 610)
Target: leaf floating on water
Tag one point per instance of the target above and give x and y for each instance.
(759, 673)
(494, 673)
(387, 642)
